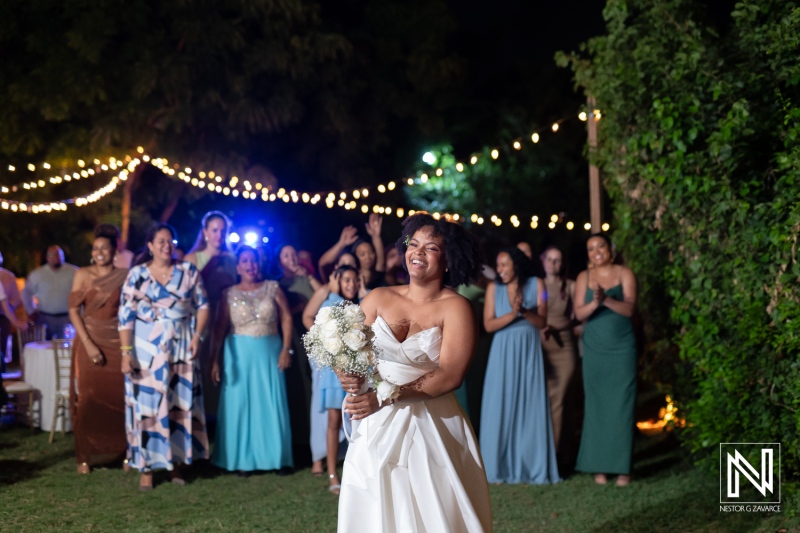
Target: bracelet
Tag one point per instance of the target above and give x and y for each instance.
(126, 348)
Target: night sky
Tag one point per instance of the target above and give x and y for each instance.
(507, 48)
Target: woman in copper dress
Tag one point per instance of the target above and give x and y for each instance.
(97, 402)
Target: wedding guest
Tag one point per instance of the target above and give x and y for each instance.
(319, 418)
(299, 287)
(97, 388)
(560, 352)
(395, 275)
(473, 382)
(253, 430)
(414, 463)
(370, 255)
(305, 260)
(51, 284)
(162, 316)
(217, 268)
(605, 297)
(331, 256)
(8, 281)
(516, 429)
(327, 394)
(6, 309)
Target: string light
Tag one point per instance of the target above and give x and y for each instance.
(57, 179)
(80, 201)
(215, 183)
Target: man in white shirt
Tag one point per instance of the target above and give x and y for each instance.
(50, 284)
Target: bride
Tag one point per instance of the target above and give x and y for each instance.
(414, 463)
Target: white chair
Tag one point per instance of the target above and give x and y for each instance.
(62, 355)
(17, 389)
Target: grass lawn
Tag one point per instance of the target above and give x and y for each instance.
(40, 491)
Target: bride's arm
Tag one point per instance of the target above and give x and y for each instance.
(458, 342)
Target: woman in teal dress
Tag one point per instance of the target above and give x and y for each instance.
(605, 297)
(253, 431)
(327, 393)
(516, 429)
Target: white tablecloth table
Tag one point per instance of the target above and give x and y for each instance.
(39, 369)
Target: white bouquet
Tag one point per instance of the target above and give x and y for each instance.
(339, 339)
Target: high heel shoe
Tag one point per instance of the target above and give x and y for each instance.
(83, 468)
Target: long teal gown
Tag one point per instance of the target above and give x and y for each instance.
(516, 429)
(253, 429)
(609, 382)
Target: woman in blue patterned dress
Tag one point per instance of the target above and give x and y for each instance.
(162, 314)
(516, 428)
(327, 394)
(253, 431)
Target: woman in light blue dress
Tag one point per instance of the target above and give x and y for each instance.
(516, 429)
(253, 430)
(327, 393)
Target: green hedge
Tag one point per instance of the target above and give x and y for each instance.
(700, 153)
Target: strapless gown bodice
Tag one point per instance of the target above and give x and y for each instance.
(413, 466)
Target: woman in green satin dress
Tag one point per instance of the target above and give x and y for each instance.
(605, 297)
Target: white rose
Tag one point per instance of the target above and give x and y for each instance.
(328, 330)
(341, 362)
(355, 339)
(365, 356)
(354, 314)
(332, 344)
(323, 315)
(387, 391)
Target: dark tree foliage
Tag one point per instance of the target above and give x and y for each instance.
(699, 151)
(300, 94)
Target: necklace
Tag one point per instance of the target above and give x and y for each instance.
(162, 275)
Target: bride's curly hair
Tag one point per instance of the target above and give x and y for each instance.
(462, 252)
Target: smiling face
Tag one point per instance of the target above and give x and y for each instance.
(552, 262)
(288, 258)
(425, 255)
(366, 255)
(505, 268)
(348, 285)
(215, 233)
(102, 252)
(247, 267)
(598, 251)
(162, 246)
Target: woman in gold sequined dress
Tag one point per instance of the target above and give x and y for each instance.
(253, 430)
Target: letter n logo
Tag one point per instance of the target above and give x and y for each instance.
(735, 463)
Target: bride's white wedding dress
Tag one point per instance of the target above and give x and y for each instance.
(413, 467)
